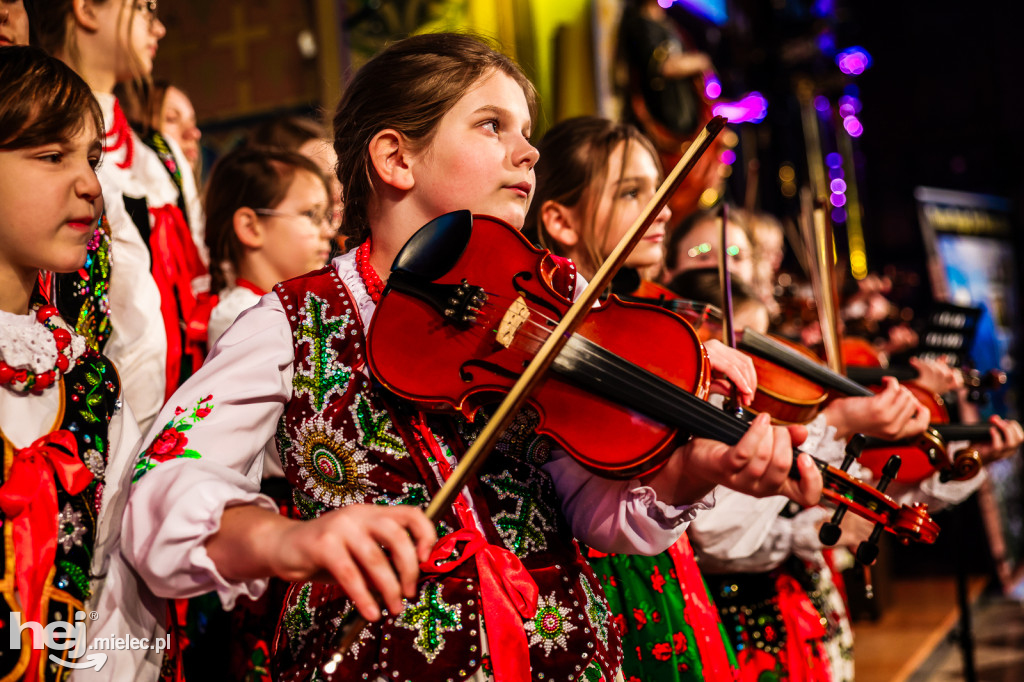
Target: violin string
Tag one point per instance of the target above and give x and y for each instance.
(686, 409)
(641, 384)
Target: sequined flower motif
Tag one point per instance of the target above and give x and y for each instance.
(94, 462)
(335, 470)
(596, 609)
(70, 528)
(299, 619)
(551, 626)
(431, 617)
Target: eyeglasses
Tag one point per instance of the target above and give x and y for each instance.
(706, 247)
(319, 218)
(148, 8)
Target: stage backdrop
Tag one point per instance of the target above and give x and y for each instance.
(971, 262)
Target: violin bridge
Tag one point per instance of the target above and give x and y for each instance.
(514, 318)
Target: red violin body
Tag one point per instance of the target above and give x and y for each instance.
(451, 365)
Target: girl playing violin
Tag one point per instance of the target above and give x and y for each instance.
(432, 124)
(593, 179)
(67, 442)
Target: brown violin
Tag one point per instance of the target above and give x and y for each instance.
(453, 330)
(931, 444)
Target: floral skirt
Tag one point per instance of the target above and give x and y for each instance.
(669, 627)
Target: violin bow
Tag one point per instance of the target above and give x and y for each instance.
(534, 373)
(728, 330)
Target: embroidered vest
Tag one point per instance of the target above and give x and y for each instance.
(343, 441)
(90, 397)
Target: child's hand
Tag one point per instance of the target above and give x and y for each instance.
(892, 414)
(348, 546)
(936, 376)
(757, 465)
(1007, 436)
(735, 366)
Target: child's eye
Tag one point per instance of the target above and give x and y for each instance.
(52, 157)
(95, 161)
(631, 193)
(492, 124)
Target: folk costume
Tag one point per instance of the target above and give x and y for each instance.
(661, 608)
(779, 601)
(157, 268)
(67, 446)
(508, 593)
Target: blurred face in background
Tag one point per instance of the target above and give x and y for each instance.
(13, 23)
(178, 122)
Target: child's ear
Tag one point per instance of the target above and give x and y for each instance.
(391, 157)
(85, 14)
(247, 228)
(560, 223)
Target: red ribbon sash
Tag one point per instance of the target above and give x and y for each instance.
(28, 499)
(507, 592)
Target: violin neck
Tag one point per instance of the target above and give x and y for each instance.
(763, 346)
(872, 376)
(974, 433)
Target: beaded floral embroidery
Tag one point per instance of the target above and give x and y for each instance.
(298, 619)
(550, 626)
(171, 441)
(335, 470)
(596, 609)
(432, 617)
(375, 429)
(523, 531)
(326, 376)
(70, 529)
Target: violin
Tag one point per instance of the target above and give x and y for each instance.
(978, 384)
(618, 406)
(787, 396)
(932, 443)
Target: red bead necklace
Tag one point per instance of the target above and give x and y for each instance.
(374, 284)
(23, 379)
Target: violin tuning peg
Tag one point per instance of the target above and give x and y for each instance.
(889, 471)
(830, 533)
(853, 449)
(867, 553)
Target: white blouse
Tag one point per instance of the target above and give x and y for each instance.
(123, 604)
(175, 508)
(743, 534)
(138, 342)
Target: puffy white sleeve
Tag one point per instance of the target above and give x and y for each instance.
(623, 517)
(205, 455)
(746, 534)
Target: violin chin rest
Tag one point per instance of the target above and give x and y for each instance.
(436, 247)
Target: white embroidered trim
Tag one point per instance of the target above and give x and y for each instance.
(28, 344)
(346, 268)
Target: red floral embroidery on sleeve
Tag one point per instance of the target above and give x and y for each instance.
(171, 442)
